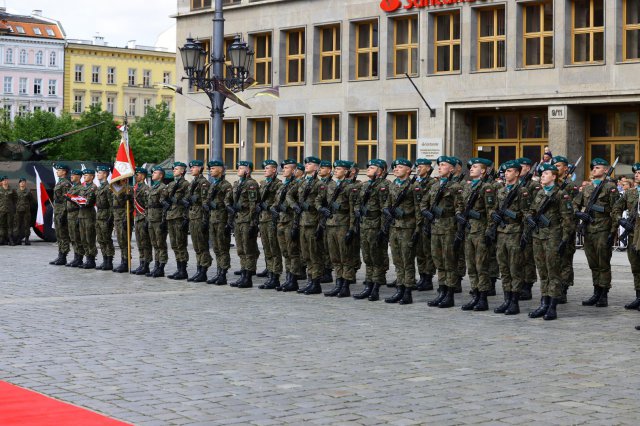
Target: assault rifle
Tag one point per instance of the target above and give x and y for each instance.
(234, 208)
(392, 212)
(262, 206)
(279, 207)
(361, 213)
(435, 211)
(569, 172)
(628, 224)
(466, 216)
(322, 221)
(295, 227)
(168, 202)
(533, 222)
(585, 217)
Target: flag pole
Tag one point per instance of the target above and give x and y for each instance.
(128, 228)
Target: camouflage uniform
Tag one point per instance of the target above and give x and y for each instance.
(123, 229)
(73, 211)
(244, 200)
(62, 187)
(327, 264)
(198, 221)
(176, 218)
(268, 234)
(104, 220)
(7, 205)
(218, 216)
(143, 241)
(629, 202)
(289, 247)
(566, 262)
(156, 195)
(529, 274)
(87, 219)
(423, 249)
(354, 260)
(23, 220)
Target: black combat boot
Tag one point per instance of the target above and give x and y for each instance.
(145, 268)
(194, 276)
(473, 302)
(182, 272)
(60, 260)
(425, 283)
(173, 276)
(222, 279)
(77, 261)
(155, 267)
(514, 306)
(542, 309)
(292, 285)
(442, 290)
(551, 313)
(407, 298)
(336, 289)
(90, 263)
(597, 291)
(236, 282)
(420, 282)
(345, 291)
(458, 287)
(503, 308)
(275, 282)
(483, 303)
(492, 287)
(368, 288)
(123, 267)
(159, 272)
(397, 296)
(448, 301)
(287, 278)
(135, 271)
(108, 264)
(635, 304)
(11, 241)
(247, 282)
(525, 291)
(603, 301)
(26, 241)
(326, 277)
(316, 288)
(101, 266)
(308, 286)
(267, 283)
(213, 279)
(202, 276)
(375, 293)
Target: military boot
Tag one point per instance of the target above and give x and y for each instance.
(267, 283)
(345, 291)
(123, 267)
(26, 241)
(247, 282)
(11, 241)
(458, 287)
(60, 260)
(442, 290)
(316, 288)
(77, 261)
(514, 306)
(483, 303)
(287, 278)
(173, 276)
(182, 272)
(145, 268)
(327, 276)
(222, 279)
(428, 282)
(308, 286)
(135, 271)
(155, 266)
(542, 309)
(101, 266)
(503, 308)
(236, 282)
(90, 263)
(292, 285)
(397, 295)
(492, 287)
(473, 302)
(368, 288)
(563, 294)
(603, 301)
(420, 282)
(3, 242)
(108, 264)
(202, 276)
(375, 293)
(213, 279)
(448, 301)
(635, 304)
(407, 298)
(597, 291)
(275, 282)
(525, 291)
(336, 289)
(159, 272)
(263, 274)
(194, 276)
(551, 313)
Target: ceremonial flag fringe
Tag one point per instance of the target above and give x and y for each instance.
(43, 197)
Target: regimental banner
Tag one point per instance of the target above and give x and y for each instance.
(393, 5)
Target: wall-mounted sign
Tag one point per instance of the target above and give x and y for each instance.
(558, 112)
(430, 148)
(393, 5)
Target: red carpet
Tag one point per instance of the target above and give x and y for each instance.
(19, 406)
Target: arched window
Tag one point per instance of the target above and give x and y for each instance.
(39, 57)
(52, 59)
(8, 57)
(23, 56)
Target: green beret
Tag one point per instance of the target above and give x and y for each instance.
(342, 163)
(525, 160)
(157, 169)
(196, 163)
(325, 163)
(401, 162)
(102, 168)
(3, 178)
(511, 164)
(300, 167)
(142, 170)
(478, 160)
(378, 163)
(88, 172)
(21, 179)
(559, 159)
(315, 160)
(457, 161)
(179, 164)
(598, 162)
(215, 163)
(635, 167)
(446, 159)
(288, 161)
(76, 172)
(423, 162)
(61, 166)
(546, 166)
(266, 163)
(245, 163)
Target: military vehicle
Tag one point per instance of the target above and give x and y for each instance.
(22, 159)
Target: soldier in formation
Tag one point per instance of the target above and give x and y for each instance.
(87, 219)
(104, 219)
(177, 219)
(73, 220)
(25, 203)
(60, 214)
(7, 206)
(140, 204)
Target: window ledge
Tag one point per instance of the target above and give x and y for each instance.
(628, 61)
(542, 67)
(327, 82)
(294, 84)
(586, 64)
(358, 80)
(488, 71)
(444, 74)
(398, 77)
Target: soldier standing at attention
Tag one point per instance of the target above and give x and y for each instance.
(140, 193)
(63, 185)
(104, 219)
(332, 203)
(476, 249)
(268, 234)
(529, 277)
(629, 202)
(459, 177)
(217, 209)
(87, 219)
(73, 210)
(402, 208)
(242, 202)
(441, 213)
(600, 231)
(352, 239)
(7, 200)
(325, 175)
(509, 229)
(198, 220)
(178, 219)
(426, 267)
(123, 231)
(156, 196)
(23, 220)
(550, 241)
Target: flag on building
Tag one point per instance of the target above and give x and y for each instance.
(125, 165)
(43, 197)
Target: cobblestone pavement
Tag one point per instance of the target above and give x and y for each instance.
(156, 352)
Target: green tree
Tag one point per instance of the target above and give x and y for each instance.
(152, 137)
(96, 144)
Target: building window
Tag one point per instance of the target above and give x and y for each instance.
(23, 56)
(8, 85)
(167, 101)
(587, 31)
(447, 42)
(37, 31)
(295, 57)
(95, 74)
(200, 4)
(262, 59)
(111, 75)
(228, 41)
(329, 137)
(78, 103)
(261, 141)
(111, 102)
(37, 108)
(366, 50)
(405, 46)
(537, 30)
(132, 106)
(96, 100)
(20, 29)
(6, 113)
(53, 87)
(231, 140)
(37, 86)
(22, 86)
(491, 39)
(51, 109)
(23, 110)
(52, 59)
(146, 78)
(39, 57)
(50, 32)
(404, 135)
(201, 140)
(132, 77)
(147, 104)
(294, 138)
(330, 53)
(8, 56)
(631, 30)
(78, 74)
(366, 138)
(166, 77)
(612, 134)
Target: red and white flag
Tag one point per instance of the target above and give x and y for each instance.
(125, 165)
(43, 197)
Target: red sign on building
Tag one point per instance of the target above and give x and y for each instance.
(393, 5)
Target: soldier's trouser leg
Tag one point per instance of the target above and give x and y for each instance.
(178, 238)
(311, 250)
(461, 263)
(566, 263)
(366, 246)
(530, 264)
(477, 256)
(247, 247)
(88, 237)
(21, 224)
(354, 262)
(221, 241)
(548, 264)
(200, 242)
(143, 241)
(74, 235)
(421, 256)
(425, 241)
(272, 254)
(510, 259)
(326, 257)
(158, 239)
(634, 262)
(103, 236)
(4, 226)
(598, 254)
(494, 267)
(62, 232)
(283, 244)
(404, 255)
(445, 258)
(339, 252)
(290, 248)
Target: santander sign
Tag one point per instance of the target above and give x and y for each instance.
(393, 5)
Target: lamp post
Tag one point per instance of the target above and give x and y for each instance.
(208, 77)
